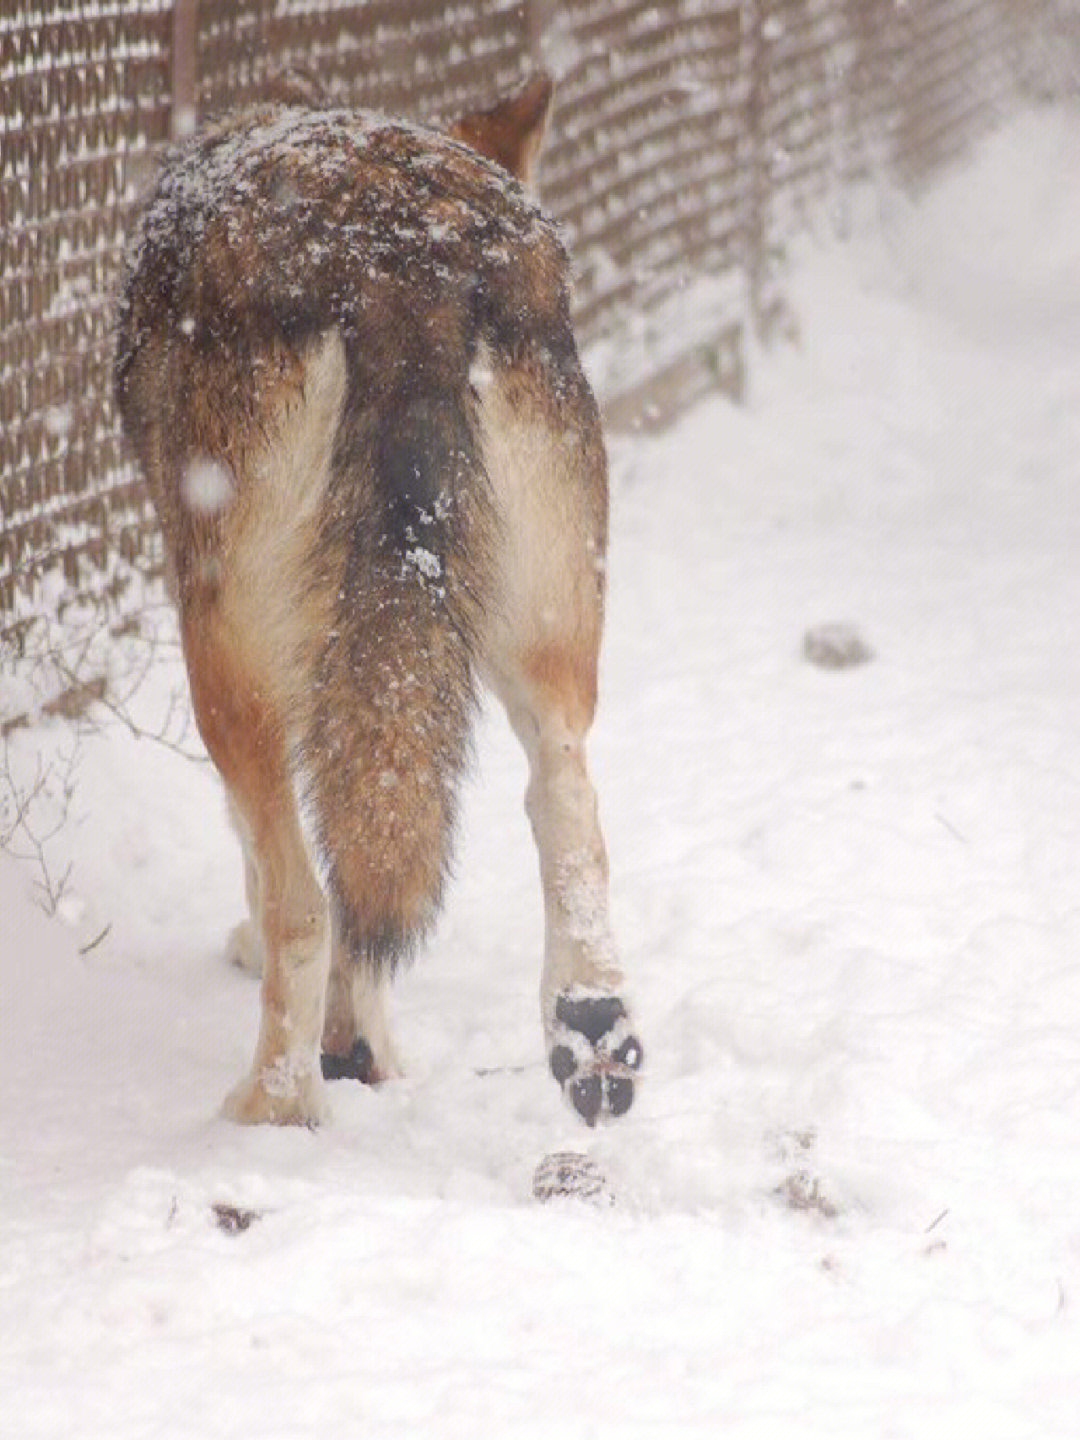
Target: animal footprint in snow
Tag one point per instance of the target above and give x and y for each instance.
(801, 1189)
(836, 647)
(566, 1175)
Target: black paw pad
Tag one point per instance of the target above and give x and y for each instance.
(587, 1096)
(356, 1064)
(563, 1063)
(629, 1053)
(620, 1094)
(594, 1055)
(590, 1015)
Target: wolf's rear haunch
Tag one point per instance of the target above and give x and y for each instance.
(346, 365)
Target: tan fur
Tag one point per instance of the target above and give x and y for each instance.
(273, 531)
(550, 485)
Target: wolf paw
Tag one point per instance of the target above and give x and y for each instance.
(595, 1055)
(277, 1095)
(356, 1064)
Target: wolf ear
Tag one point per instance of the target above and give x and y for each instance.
(512, 131)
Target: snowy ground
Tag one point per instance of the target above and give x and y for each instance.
(848, 1201)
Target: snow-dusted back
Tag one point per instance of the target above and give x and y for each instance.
(327, 200)
(847, 1201)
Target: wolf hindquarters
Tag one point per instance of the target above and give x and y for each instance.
(361, 332)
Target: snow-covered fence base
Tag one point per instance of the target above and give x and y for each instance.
(689, 138)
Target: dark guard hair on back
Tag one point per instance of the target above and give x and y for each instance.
(264, 235)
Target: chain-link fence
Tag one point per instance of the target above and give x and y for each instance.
(689, 136)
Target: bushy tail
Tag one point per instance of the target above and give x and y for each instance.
(409, 519)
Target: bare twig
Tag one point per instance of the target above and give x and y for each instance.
(98, 938)
(118, 706)
(83, 666)
(951, 828)
(26, 838)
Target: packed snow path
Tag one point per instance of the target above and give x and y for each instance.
(848, 1199)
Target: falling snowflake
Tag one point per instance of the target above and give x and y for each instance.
(206, 486)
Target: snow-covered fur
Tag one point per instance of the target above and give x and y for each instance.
(346, 365)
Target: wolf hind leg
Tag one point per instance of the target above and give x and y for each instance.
(243, 948)
(356, 1043)
(246, 736)
(548, 471)
(593, 1051)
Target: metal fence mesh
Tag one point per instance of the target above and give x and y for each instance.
(86, 99)
(402, 56)
(689, 137)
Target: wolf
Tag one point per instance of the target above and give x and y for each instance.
(345, 363)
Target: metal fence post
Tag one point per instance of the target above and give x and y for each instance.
(538, 16)
(184, 30)
(756, 178)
